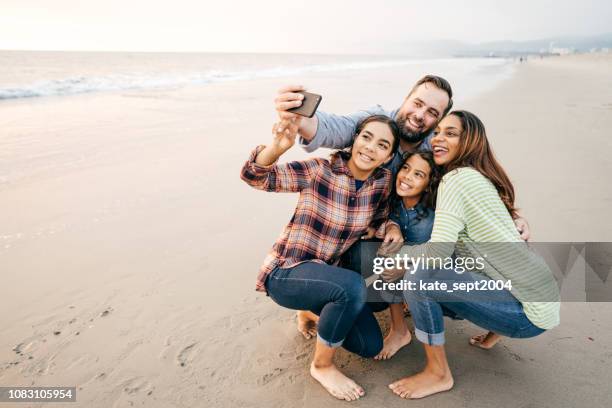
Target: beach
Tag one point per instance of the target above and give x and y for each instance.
(129, 246)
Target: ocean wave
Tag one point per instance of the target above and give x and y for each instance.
(139, 81)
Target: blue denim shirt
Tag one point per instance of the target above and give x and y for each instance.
(416, 223)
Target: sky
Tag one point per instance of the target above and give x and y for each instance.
(314, 26)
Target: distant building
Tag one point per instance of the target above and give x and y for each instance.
(560, 50)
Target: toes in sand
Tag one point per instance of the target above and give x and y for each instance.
(393, 343)
(336, 383)
(422, 385)
(485, 340)
(307, 323)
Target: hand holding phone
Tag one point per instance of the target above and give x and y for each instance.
(309, 105)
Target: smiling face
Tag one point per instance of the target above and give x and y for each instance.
(421, 111)
(445, 142)
(373, 146)
(413, 178)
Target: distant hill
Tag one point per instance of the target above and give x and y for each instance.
(505, 48)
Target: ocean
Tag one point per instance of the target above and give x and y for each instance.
(38, 74)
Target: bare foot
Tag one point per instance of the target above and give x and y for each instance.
(393, 342)
(485, 340)
(307, 323)
(422, 384)
(336, 383)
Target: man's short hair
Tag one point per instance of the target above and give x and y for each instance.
(439, 83)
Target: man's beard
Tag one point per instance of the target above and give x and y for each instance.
(407, 135)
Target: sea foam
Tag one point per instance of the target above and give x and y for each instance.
(143, 81)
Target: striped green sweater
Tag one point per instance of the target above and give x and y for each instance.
(472, 221)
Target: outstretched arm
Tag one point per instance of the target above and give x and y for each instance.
(284, 138)
(261, 171)
(323, 129)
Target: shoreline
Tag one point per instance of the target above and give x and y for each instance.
(102, 78)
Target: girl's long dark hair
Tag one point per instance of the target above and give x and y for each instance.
(428, 198)
(475, 152)
(374, 118)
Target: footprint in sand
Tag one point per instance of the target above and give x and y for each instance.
(129, 389)
(301, 356)
(270, 376)
(106, 312)
(18, 349)
(184, 354)
(292, 355)
(134, 385)
(513, 354)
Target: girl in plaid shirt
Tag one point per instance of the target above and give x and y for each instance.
(339, 199)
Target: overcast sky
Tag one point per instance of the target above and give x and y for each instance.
(342, 26)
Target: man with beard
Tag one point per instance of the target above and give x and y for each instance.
(429, 100)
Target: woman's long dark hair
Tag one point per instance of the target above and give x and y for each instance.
(475, 152)
(428, 198)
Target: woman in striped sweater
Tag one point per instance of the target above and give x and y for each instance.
(473, 219)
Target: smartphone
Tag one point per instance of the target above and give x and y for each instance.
(309, 105)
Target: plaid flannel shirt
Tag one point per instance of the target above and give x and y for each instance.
(330, 215)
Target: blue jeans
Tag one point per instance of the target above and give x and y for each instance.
(360, 258)
(497, 311)
(337, 296)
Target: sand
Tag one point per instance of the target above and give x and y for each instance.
(129, 246)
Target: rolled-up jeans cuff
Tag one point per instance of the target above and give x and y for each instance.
(432, 339)
(329, 343)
